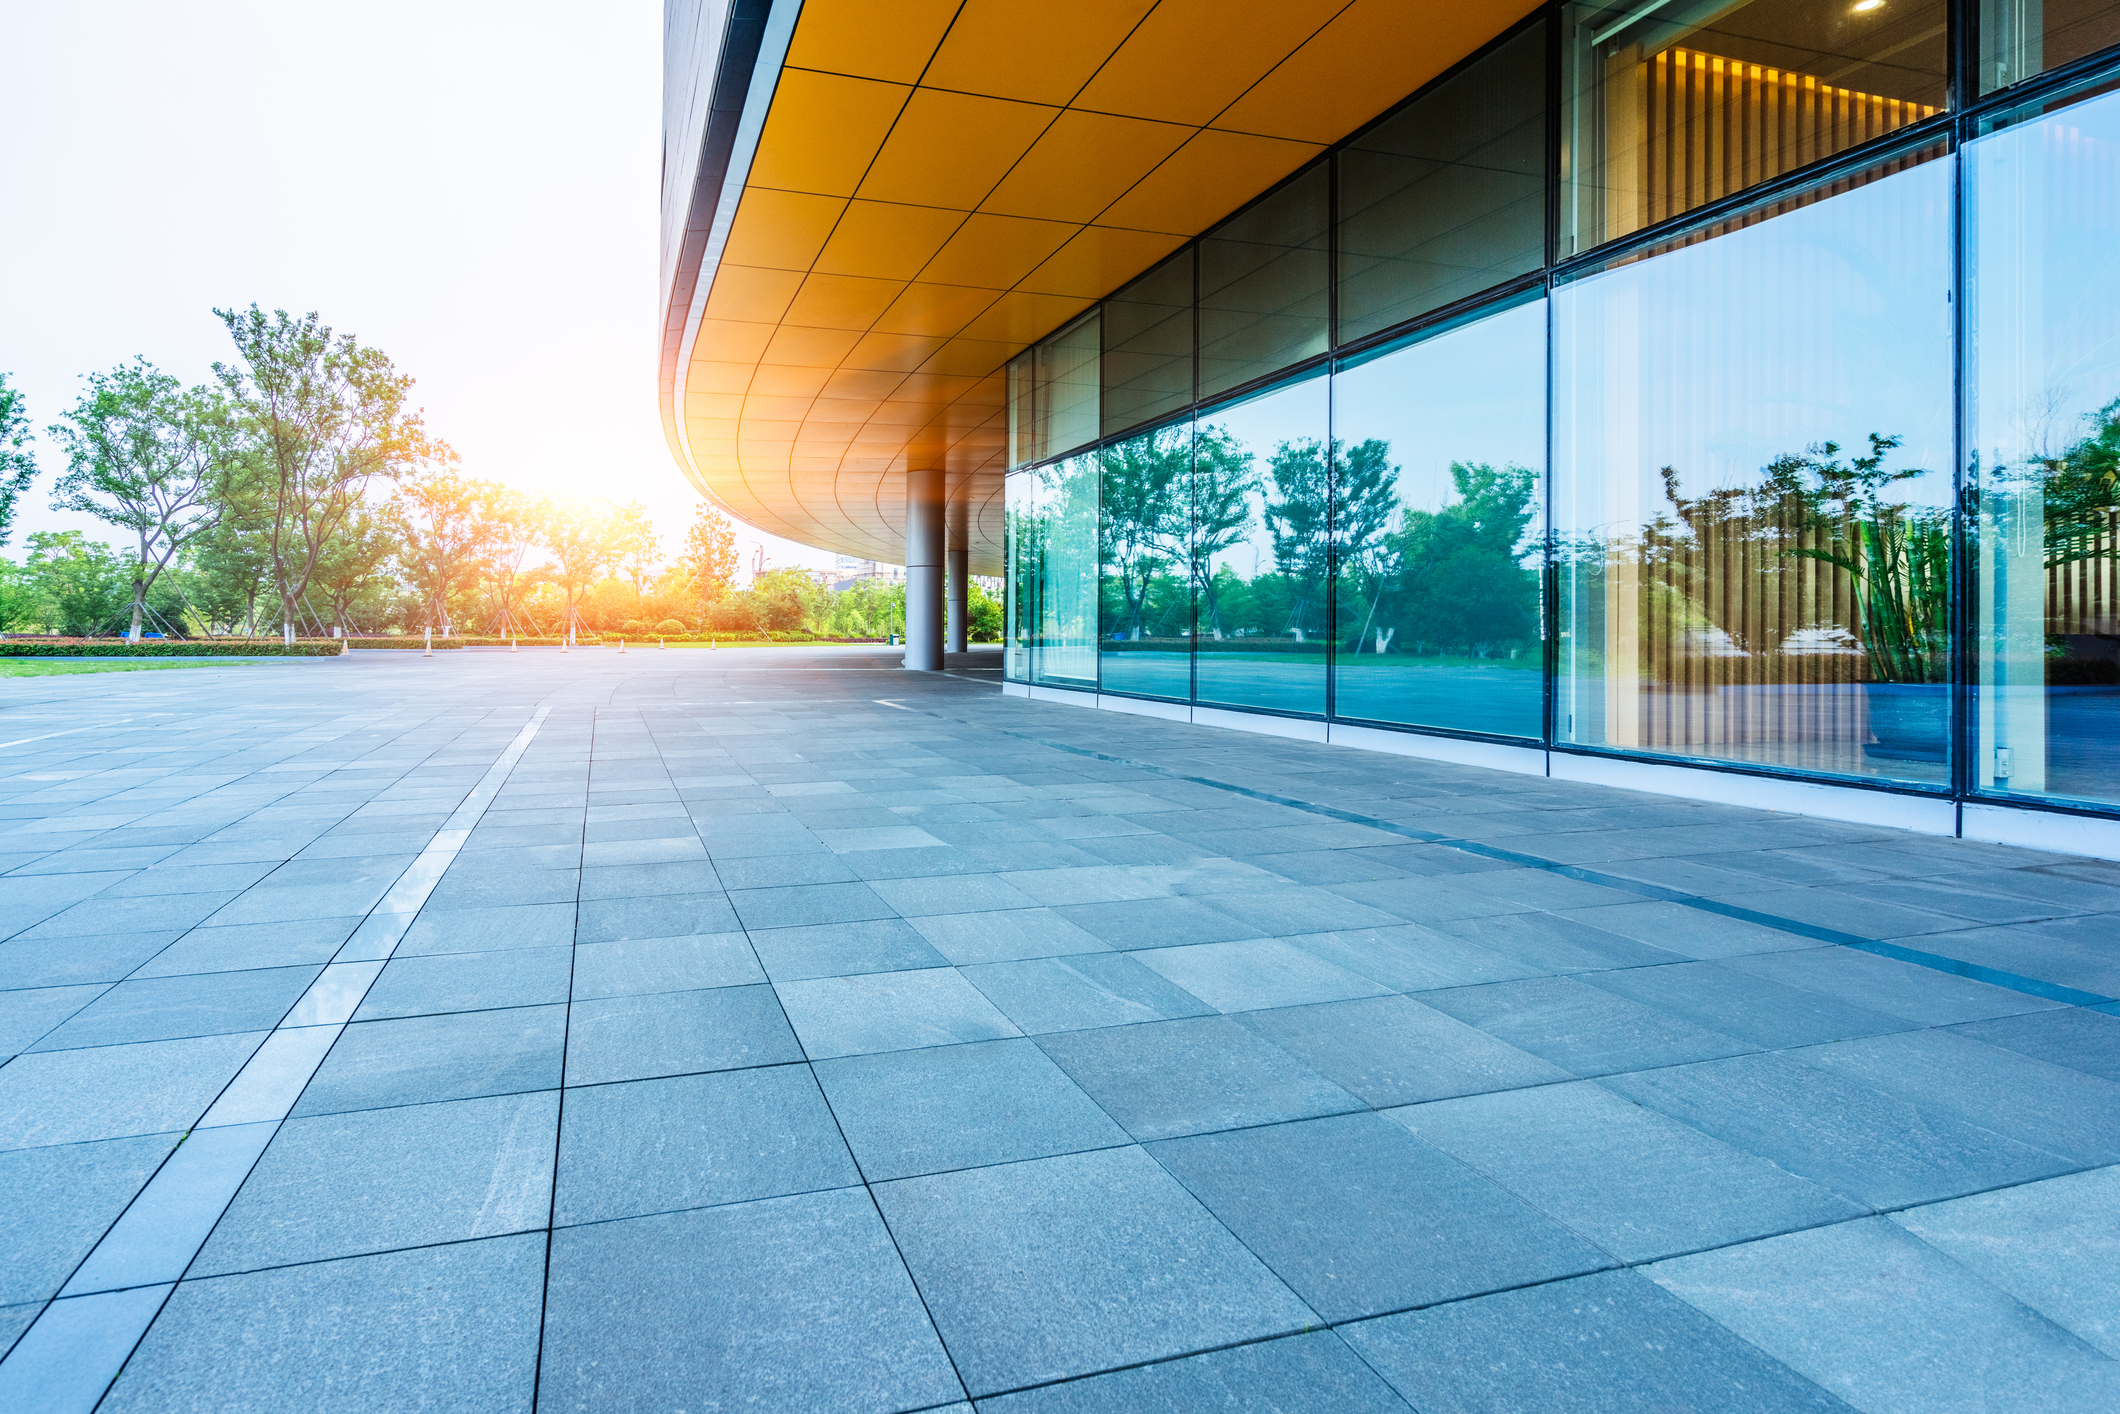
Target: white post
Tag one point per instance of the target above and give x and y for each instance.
(430, 642)
(923, 569)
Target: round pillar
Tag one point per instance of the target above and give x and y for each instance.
(924, 549)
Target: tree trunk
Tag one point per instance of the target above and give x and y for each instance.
(139, 599)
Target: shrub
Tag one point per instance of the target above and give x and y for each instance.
(669, 628)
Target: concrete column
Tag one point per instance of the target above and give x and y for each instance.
(923, 570)
(959, 588)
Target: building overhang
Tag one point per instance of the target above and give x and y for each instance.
(891, 201)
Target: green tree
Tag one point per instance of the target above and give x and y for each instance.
(1456, 577)
(1223, 483)
(353, 570)
(329, 416)
(709, 558)
(84, 584)
(18, 467)
(151, 456)
(21, 598)
(583, 540)
(1299, 519)
(1141, 516)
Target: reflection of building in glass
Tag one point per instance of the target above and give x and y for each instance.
(1724, 385)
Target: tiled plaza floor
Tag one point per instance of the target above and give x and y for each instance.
(778, 1030)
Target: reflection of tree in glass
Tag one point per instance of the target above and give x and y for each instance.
(1366, 497)
(1141, 516)
(1300, 522)
(1455, 578)
(1812, 506)
(2080, 489)
(1223, 482)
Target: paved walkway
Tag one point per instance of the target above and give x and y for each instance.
(779, 1030)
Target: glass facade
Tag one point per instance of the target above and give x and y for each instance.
(1769, 419)
(2043, 447)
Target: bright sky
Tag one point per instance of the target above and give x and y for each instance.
(469, 186)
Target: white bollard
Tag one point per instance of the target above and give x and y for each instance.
(662, 646)
(430, 644)
(622, 645)
(511, 643)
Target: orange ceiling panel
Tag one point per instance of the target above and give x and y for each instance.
(991, 41)
(939, 182)
(824, 132)
(984, 137)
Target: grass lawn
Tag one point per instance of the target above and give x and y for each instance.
(50, 667)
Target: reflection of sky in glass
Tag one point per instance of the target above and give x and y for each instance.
(1290, 414)
(1475, 394)
(1826, 323)
(2044, 231)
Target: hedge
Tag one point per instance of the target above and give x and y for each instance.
(189, 648)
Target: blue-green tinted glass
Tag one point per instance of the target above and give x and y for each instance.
(1019, 526)
(1148, 345)
(1263, 286)
(1752, 443)
(1262, 601)
(1439, 518)
(1056, 556)
(1447, 197)
(2020, 39)
(1144, 512)
(2043, 432)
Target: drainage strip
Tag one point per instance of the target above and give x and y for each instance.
(68, 1357)
(1936, 962)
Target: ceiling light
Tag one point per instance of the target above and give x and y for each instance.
(1863, 7)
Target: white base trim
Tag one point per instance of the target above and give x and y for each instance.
(2043, 829)
(1491, 755)
(1929, 815)
(1926, 814)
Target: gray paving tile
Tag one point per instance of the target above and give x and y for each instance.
(61, 962)
(677, 1033)
(111, 1092)
(1167, 1078)
(346, 1184)
(765, 871)
(2088, 1041)
(26, 1016)
(692, 1141)
(977, 893)
(1264, 972)
(96, 916)
(968, 938)
(646, 880)
(1883, 984)
(2048, 1106)
(786, 1303)
(1065, 1266)
(1720, 997)
(535, 925)
(1874, 1148)
(60, 1200)
(1689, 932)
(889, 1011)
(662, 916)
(422, 1059)
(1581, 1028)
(1156, 923)
(2052, 1245)
(1084, 990)
(167, 1008)
(1890, 1324)
(478, 981)
(2074, 952)
(809, 903)
(452, 1327)
(473, 889)
(643, 965)
(13, 1321)
(952, 1107)
(254, 945)
(1639, 1185)
(1554, 942)
(1608, 1343)
(1075, 885)
(843, 949)
(1394, 1051)
(1298, 1374)
(1361, 1218)
(1410, 958)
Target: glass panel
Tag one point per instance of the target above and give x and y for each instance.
(1671, 106)
(1449, 197)
(1440, 528)
(1752, 495)
(1053, 522)
(1020, 525)
(1022, 446)
(2021, 38)
(1148, 338)
(2043, 429)
(1068, 386)
(1261, 551)
(1263, 279)
(1145, 527)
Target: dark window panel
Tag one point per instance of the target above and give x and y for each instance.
(1148, 336)
(1263, 278)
